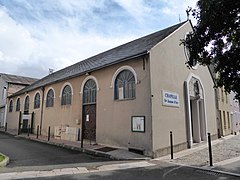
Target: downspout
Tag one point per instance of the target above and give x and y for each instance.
(41, 115)
(188, 115)
(6, 106)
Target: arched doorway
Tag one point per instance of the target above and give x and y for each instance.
(195, 111)
(89, 110)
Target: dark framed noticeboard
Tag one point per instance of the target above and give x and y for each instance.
(138, 124)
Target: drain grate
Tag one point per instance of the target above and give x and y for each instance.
(106, 149)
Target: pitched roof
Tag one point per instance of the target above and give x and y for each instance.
(118, 54)
(14, 79)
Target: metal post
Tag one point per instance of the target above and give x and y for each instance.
(49, 133)
(171, 144)
(28, 130)
(37, 131)
(210, 149)
(5, 127)
(82, 135)
(78, 134)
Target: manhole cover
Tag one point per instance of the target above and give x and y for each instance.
(106, 149)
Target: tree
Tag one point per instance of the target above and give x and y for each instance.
(215, 40)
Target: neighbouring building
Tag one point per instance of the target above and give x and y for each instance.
(223, 112)
(10, 84)
(131, 97)
(235, 113)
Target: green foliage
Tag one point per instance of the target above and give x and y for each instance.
(215, 40)
(1, 158)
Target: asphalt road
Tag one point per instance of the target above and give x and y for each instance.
(149, 173)
(23, 152)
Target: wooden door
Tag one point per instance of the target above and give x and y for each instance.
(89, 122)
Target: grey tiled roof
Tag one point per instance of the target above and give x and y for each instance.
(14, 79)
(121, 53)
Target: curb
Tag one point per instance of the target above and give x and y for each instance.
(208, 169)
(5, 161)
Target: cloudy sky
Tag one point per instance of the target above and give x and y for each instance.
(36, 35)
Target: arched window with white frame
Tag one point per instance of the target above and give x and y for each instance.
(125, 85)
(37, 101)
(66, 95)
(11, 105)
(50, 98)
(26, 104)
(18, 104)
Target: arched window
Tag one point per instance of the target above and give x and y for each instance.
(50, 98)
(125, 86)
(66, 95)
(10, 106)
(37, 101)
(26, 105)
(18, 105)
(89, 92)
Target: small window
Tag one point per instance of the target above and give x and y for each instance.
(89, 92)
(66, 95)
(37, 101)
(50, 98)
(18, 105)
(10, 106)
(125, 85)
(26, 105)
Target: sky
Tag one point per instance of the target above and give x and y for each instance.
(38, 35)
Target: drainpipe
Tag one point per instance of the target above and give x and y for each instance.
(6, 105)
(41, 115)
(188, 115)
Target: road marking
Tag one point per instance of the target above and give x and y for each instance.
(77, 170)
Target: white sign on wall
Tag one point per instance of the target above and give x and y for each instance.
(26, 116)
(170, 99)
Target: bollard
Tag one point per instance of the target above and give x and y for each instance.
(5, 127)
(28, 130)
(0, 124)
(49, 133)
(37, 131)
(171, 144)
(210, 149)
(78, 134)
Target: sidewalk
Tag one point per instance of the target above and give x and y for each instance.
(88, 147)
(224, 151)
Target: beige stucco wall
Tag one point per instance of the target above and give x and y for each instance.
(224, 110)
(168, 72)
(113, 117)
